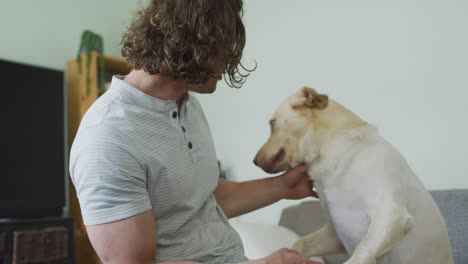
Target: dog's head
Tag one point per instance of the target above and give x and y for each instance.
(298, 117)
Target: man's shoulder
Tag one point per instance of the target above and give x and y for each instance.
(98, 111)
(111, 111)
(98, 129)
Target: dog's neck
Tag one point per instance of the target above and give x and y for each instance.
(324, 158)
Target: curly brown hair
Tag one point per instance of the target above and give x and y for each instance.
(185, 39)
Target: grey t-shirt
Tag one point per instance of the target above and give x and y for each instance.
(134, 153)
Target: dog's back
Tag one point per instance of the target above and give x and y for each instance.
(368, 170)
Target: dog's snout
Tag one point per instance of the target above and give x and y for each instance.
(255, 161)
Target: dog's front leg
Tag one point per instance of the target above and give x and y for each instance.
(320, 243)
(389, 223)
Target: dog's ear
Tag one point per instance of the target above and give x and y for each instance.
(308, 97)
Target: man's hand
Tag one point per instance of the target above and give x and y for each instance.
(295, 183)
(240, 198)
(287, 256)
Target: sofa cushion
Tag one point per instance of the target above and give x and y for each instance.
(453, 205)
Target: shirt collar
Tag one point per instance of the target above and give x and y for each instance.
(142, 99)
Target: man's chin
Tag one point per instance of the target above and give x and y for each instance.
(210, 91)
(206, 89)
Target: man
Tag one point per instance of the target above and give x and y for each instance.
(143, 161)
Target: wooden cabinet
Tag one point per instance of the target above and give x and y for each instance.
(41, 240)
(80, 97)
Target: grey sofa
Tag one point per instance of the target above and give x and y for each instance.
(309, 216)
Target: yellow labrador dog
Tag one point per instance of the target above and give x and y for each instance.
(380, 212)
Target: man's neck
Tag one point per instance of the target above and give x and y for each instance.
(157, 86)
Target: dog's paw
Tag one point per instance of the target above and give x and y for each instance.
(299, 246)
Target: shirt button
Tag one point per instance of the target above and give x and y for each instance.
(190, 145)
(183, 129)
(174, 115)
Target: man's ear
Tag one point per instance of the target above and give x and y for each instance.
(308, 97)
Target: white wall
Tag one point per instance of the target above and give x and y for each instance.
(47, 33)
(402, 65)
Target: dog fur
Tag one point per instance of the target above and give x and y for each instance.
(379, 210)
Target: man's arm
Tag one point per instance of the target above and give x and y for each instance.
(127, 241)
(239, 198)
(131, 240)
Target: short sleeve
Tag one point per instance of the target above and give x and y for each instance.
(109, 176)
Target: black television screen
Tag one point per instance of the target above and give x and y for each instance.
(32, 179)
